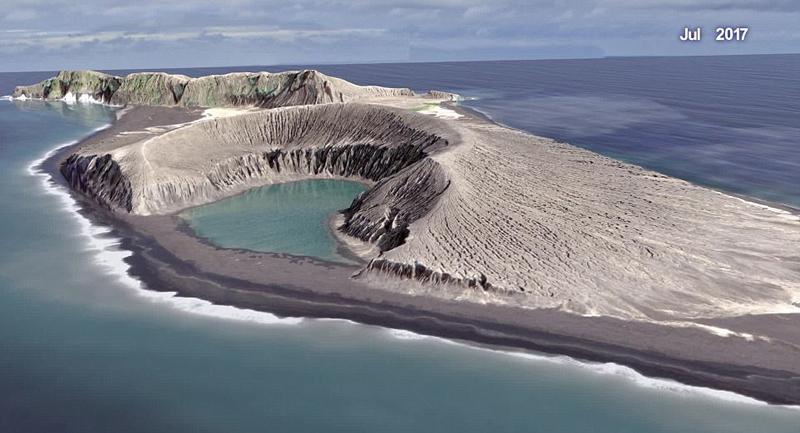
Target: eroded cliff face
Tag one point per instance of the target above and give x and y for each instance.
(72, 84)
(459, 209)
(252, 89)
(159, 175)
(215, 158)
(266, 90)
(151, 88)
(382, 214)
(100, 178)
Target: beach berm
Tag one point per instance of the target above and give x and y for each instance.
(463, 218)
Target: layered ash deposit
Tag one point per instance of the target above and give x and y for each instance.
(216, 158)
(459, 209)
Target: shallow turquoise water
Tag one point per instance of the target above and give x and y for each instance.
(287, 218)
(82, 350)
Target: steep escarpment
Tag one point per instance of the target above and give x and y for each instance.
(251, 89)
(215, 158)
(100, 178)
(382, 214)
(73, 84)
(461, 209)
(472, 211)
(151, 88)
(266, 90)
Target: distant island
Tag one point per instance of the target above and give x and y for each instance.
(469, 229)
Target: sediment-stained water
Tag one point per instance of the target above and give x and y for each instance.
(291, 218)
(85, 348)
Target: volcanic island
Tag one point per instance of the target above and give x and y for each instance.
(469, 230)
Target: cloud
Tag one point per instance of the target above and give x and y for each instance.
(62, 40)
(21, 15)
(337, 30)
(711, 5)
(286, 35)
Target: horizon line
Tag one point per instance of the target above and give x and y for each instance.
(405, 62)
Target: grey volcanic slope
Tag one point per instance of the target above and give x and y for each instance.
(216, 158)
(255, 89)
(563, 227)
(467, 210)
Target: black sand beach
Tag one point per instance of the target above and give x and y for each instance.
(167, 257)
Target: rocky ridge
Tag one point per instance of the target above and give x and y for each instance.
(462, 209)
(75, 84)
(211, 159)
(252, 89)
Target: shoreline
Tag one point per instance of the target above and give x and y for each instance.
(467, 110)
(198, 306)
(440, 319)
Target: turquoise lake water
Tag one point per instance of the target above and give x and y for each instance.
(84, 349)
(290, 218)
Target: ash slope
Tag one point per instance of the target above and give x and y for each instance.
(468, 210)
(216, 158)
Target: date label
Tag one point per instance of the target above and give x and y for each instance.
(731, 33)
(724, 34)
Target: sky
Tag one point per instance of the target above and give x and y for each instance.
(130, 34)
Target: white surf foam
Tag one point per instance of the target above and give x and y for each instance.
(785, 214)
(621, 371)
(345, 321)
(638, 379)
(402, 334)
(206, 308)
(69, 99)
(111, 258)
(83, 98)
(5, 98)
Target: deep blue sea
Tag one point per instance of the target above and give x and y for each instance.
(84, 349)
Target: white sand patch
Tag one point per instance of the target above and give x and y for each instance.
(440, 112)
(220, 112)
(715, 330)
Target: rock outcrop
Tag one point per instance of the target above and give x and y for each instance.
(219, 157)
(459, 209)
(382, 214)
(151, 88)
(73, 84)
(100, 178)
(251, 89)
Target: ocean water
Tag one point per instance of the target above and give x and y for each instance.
(291, 218)
(727, 122)
(84, 348)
